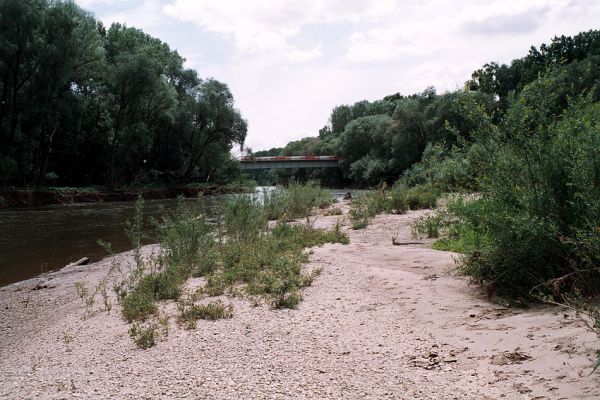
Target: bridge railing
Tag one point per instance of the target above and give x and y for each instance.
(288, 158)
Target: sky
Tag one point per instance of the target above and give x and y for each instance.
(288, 63)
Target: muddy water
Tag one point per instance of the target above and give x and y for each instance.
(37, 240)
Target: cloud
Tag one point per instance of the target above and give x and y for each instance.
(269, 28)
(507, 24)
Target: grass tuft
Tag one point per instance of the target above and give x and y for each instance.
(189, 313)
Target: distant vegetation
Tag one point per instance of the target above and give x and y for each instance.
(84, 104)
(524, 136)
(380, 140)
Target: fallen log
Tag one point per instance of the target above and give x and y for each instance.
(397, 243)
(81, 261)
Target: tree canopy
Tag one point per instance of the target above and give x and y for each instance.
(85, 104)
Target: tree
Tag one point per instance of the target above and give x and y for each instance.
(210, 121)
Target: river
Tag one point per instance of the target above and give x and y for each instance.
(42, 239)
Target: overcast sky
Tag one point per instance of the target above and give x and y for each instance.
(288, 63)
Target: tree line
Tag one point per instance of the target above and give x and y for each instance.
(380, 140)
(86, 104)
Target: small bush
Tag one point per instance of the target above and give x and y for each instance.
(215, 285)
(360, 224)
(242, 256)
(243, 218)
(398, 201)
(138, 304)
(333, 211)
(187, 240)
(428, 226)
(308, 279)
(368, 205)
(287, 300)
(419, 197)
(270, 266)
(190, 313)
(146, 336)
(296, 200)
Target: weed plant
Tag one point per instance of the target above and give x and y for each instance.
(238, 256)
(429, 226)
(244, 219)
(297, 200)
(146, 335)
(333, 211)
(187, 239)
(270, 265)
(189, 312)
(398, 199)
(369, 204)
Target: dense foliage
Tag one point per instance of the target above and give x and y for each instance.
(533, 228)
(524, 136)
(83, 104)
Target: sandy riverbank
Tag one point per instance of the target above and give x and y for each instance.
(381, 321)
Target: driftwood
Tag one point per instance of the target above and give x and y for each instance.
(397, 243)
(81, 261)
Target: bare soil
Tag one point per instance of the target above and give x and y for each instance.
(381, 321)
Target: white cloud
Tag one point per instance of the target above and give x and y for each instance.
(269, 28)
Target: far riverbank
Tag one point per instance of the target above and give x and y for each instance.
(23, 198)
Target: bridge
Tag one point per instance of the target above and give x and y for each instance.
(286, 162)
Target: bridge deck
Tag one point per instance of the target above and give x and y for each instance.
(287, 162)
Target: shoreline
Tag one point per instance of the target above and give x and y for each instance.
(381, 321)
(28, 198)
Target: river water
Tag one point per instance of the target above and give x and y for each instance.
(42, 239)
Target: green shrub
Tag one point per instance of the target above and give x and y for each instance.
(143, 337)
(187, 240)
(296, 200)
(139, 304)
(398, 201)
(146, 335)
(360, 224)
(537, 219)
(369, 204)
(308, 279)
(214, 310)
(449, 170)
(422, 196)
(244, 219)
(428, 226)
(270, 266)
(333, 211)
(287, 299)
(242, 256)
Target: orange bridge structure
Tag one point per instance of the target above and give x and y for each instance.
(286, 162)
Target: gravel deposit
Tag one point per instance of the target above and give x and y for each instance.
(380, 322)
